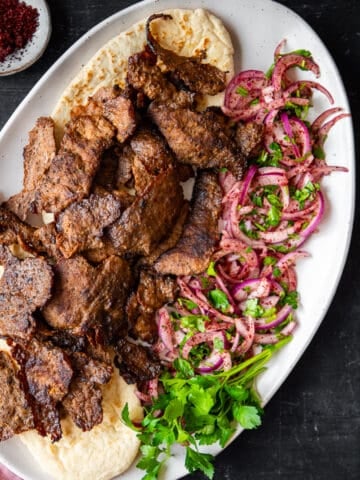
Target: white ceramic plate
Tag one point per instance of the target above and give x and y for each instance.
(33, 50)
(256, 27)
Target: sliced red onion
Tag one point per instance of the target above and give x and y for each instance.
(289, 259)
(288, 61)
(280, 317)
(206, 337)
(252, 288)
(165, 328)
(322, 117)
(314, 222)
(246, 183)
(324, 130)
(212, 363)
(246, 329)
(298, 85)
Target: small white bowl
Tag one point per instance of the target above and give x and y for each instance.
(23, 58)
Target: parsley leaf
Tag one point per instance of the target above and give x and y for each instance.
(199, 461)
(242, 91)
(211, 270)
(247, 415)
(219, 300)
(189, 304)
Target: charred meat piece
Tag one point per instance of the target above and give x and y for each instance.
(125, 163)
(24, 287)
(48, 372)
(88, 299)
(71, 172)
(120, 112)
(248, 137)
(151, 157)
(135, 362)
(38, 155)
(83, 404)
(170, 241)
(198, 77)
(144, 75)
(47, 420)
(106, 175)
(67, 181)
(197, 139)
(39, 152)
(153, 292)
(13, 230)
(150, 217)
(15, 411)
(89, 369)
(81, 225)
(44, 241)
(192, 253)
(117, 108)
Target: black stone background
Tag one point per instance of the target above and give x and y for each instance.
(311, 429)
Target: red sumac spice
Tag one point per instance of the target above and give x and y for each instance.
(18, 23)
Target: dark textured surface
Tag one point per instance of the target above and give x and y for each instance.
(311, 427)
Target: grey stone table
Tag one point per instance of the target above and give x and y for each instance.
(311, 429)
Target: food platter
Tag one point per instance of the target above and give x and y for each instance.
(256, 28)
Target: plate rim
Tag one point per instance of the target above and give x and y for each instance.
(352, 162)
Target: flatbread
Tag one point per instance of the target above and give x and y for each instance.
(100, 454)
(189, 33)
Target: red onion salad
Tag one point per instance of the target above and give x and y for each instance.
(247, 298)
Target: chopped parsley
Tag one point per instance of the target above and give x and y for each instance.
(219, 300)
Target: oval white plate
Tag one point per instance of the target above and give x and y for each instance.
(256, 27)
(33, 50)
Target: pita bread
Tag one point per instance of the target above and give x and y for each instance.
(189, 33)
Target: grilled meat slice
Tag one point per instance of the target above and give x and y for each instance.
(197, 138)
(151, 157)
(81, 225)
(47, 370)
(90, 369)
(13, 230)
(198, 77)
(170, 241)
(15, 411)
(88, 300)
(39, 152)
(120, 112)
(106, 175)
(38, 155)
(44, 241)
(248, 137)
(83, 404)
(135, 362)
(24, 287)
(150, 217)
(153, 292)
(67, 181)
(47, 420)
(124, 170)
(192, 253)
(144, 75)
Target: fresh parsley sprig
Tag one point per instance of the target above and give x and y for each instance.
(196, 410)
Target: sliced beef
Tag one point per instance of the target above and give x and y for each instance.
(106, 175)
(120, 112)
(170, 241)
(47, 420)
(198, 77)
(197, 139)
(71, 172)
(153, 292)
(249, 137)
(192, 253)
(81, 225)
(44, 241)
(151, 157)
(124, 171)
(83, 404)
(24, 287)
(15, 411)
(39, 152)
(90, 369)
(13, 230)
(89, 299)
(38, 155)
(144, 75)
(48, 371)
(135, 362)
(150, 217)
